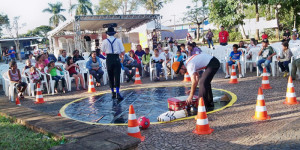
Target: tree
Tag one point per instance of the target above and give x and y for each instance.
(82, 8)
(196, 15)
(40, 31)
(154, 5)
(55, 9)
(3, 21)
(110, 7)
(13, 31)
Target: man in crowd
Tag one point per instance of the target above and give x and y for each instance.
(286, 35)
(223, 36)
(294, 40)
(12, 53)
(63, 57)
(267, 53)
(172, 48)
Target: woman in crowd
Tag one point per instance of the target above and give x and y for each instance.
(76, 56)
(129, 65)
(14, 75)
(138, 60)
(71, 68)
(139, 51)
(193, 49)
(95, 68)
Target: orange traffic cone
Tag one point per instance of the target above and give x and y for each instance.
(137, 77)
(39, 95)
(133, 127)
(202, 126)
(91, 85)
(291, 98)
(261, 110)
(18, 101)
(265, 81)
(233, 77)
(187, 77)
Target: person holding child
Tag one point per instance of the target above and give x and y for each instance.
(14, 75)
(234, 59)
(52, 71)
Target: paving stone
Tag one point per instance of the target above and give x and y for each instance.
(123, 141)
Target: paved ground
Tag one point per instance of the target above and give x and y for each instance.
(234, 126)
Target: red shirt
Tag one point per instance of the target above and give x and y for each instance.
(223, 36)
(264, 36)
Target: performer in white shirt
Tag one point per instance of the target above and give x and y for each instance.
(114, 49)
(195, 64)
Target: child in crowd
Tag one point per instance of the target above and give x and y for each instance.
(40, 64)
(52, 71)
(178, 56)
(71, 67)
(15, 77)
(157, 60)
(34, 75)
(234, 59)
(285, 58)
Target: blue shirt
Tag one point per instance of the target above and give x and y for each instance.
(12, 55)
(180, 58)
(235, 56)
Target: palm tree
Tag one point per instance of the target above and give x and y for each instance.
(153, 5)
(55, 9)
(82, 8)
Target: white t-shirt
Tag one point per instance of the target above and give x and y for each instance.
(158, 58)
(197, 62)
(168, 56)
(294, 42)
(118, 46)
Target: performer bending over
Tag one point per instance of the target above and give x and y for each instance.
(193, 65)
(114, 49)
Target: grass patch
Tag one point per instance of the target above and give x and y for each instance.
(17, 137)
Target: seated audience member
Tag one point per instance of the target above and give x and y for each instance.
(176, 44)
(139, 51)
(168, 57)
(294, 40)
(286, 35)
(183, 49)
(285, 58)
(146, 60)
(40, 63)
(28, 66)
(172, 48)
(52, 71)
(159, 47)
(35, 76)
(178, 56)
(193, 49)
(76, 56)
(242, 44)
(157, 61)
(71, 68)
(129, 65)
(98, 53)
(138, 61)
(95, 67)
(50, 57)
(30, 57)
(267, 53)
(295, 68)
(253, 44)
(14, 76)
(234, 59)
(63, 57)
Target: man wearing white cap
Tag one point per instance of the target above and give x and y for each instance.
(296, 33)
(294, 40)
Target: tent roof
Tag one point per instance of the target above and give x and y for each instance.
(95, 22)
(21, 39)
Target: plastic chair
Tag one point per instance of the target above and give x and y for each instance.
(52, 82)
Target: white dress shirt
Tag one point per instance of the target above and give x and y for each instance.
(118, 46)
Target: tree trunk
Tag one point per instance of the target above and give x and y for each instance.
(243, 32)
(17, 43)
(198, 32)
(295, 21)
(257, 20)
(277, 29)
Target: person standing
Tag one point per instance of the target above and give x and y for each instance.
(114, 49)
(12, 53)
(5, 55)
(223, 36)
(296, 33)
(264, 36)
(209, 36)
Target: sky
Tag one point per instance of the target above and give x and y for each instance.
(30, 11)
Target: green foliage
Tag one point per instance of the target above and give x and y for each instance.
(55, 9)
(110, 7)
(154, 5)
(15, 136)
(234, 36)
(82, 8)
(226, 13)
(3, 21)
(271, 33)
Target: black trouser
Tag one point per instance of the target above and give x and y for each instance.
(205, 90)
(113, 66)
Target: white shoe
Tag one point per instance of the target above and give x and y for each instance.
(241, 76)
(227, 76)
(268, 74)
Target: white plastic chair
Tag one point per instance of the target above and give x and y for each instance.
(52, 82)
(153, 69)
(253, 59)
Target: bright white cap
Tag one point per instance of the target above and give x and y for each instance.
(294, 30)
(166, 48)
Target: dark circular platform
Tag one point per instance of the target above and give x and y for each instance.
(149, 102)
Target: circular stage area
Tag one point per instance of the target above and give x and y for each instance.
(150, 102)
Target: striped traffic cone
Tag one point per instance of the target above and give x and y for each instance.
(265, 81)
(39, 95)
(133, 126)
(291, 98)
(202, 126)
(91, 85)
(187, 77)
(18, 101)
(137, 77)
(261, 110)
(233, 77)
